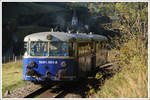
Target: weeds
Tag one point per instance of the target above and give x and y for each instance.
(132, 81)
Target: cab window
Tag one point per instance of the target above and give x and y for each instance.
(58, 49)
(39, 49)
(26, 49)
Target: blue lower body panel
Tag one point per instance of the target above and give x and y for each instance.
(49, 69)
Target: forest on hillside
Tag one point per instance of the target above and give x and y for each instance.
(114, 20)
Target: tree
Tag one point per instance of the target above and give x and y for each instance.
(134, 20)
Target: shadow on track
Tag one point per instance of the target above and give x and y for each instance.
(78, 88)
(82, 87)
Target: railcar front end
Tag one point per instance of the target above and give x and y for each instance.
(45, 61)
(46, 69)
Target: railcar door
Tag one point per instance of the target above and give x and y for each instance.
(84, 58)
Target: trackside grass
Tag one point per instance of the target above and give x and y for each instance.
(132, 81)
(12, 76)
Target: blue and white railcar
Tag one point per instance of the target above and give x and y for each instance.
(60, 56)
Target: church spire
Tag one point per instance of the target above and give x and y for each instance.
(74, 18)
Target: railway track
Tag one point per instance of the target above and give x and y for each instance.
(77, 89)
(55, 90)
(40, 90)
(65, 89)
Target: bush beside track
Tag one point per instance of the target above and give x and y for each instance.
(132, 81)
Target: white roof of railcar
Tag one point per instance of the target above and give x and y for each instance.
(61, 36)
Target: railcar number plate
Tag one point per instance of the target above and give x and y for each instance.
(48, 62)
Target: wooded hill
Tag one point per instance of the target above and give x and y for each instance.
(114, 20)
(21, 19)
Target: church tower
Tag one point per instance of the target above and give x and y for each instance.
(74, 19)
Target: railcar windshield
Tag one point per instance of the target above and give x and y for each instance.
(38, 48)
(58, 49)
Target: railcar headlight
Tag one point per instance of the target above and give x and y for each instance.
(26, 66)
(48, 74)
(63, 64)
(49, 37)
(32, 64)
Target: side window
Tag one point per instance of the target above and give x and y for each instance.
(101, 44)
(84, 48)
(26, 49)
(97, 46)
(104, 44)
